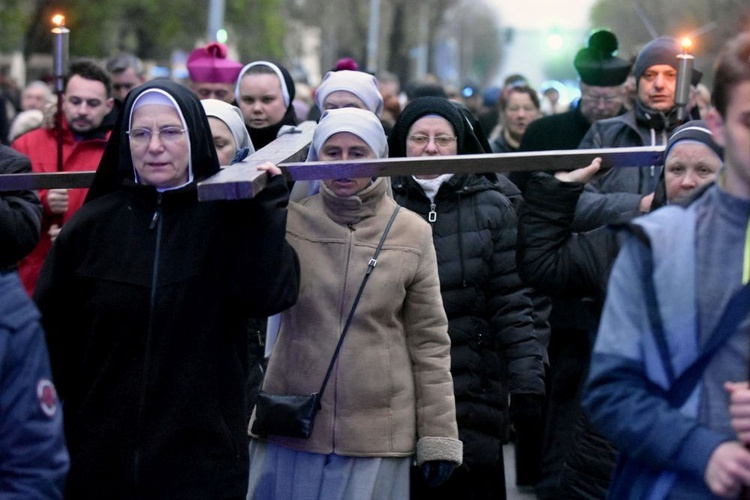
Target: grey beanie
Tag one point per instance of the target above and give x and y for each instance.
(663, 50)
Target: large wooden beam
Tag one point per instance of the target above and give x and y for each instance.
(462, 164)
(243, 184)
(243, 180)
(45, 180)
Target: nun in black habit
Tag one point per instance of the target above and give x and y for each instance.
(145, 297)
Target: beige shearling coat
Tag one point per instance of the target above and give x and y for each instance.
(391, 385)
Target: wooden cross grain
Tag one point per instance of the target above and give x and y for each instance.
(244, 180)
(291, 147)
(226, 186)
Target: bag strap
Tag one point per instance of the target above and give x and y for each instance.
(736, 310)
(370, 266)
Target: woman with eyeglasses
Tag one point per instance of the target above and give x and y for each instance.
(145, 298)
(488, 308)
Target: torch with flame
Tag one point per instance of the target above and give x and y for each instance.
(61, 35)
(684, 77)
(60, 56)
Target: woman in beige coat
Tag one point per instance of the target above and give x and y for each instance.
(390, 397)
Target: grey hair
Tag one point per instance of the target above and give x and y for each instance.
(122, 62)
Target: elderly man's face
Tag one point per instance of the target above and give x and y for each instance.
(34, 98)
(123, 82)
(598, 103)
(656, 87)
(221, 91)
(689, 166)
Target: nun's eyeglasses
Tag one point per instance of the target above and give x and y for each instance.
(441, 141)
(167, 135)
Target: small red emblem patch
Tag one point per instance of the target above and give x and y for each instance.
(47, 395)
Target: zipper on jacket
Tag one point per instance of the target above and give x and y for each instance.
(156, 222)
(432, 215)
(157, 213)
(459, 234)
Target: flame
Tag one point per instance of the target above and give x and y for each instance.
(58, 20)
(686, 43)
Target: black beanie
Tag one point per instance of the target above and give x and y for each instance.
(597, 64)
(467, 142)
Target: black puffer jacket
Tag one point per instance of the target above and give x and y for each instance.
(556, 260)
(551, 256)
(489, 310)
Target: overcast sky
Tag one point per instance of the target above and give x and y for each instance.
(528, 51)
(543, 14)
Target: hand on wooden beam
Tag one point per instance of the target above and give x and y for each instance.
(269, 167)
(583, 174)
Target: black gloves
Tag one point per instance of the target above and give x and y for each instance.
(526, 415)
(436, 472)
(525, 409)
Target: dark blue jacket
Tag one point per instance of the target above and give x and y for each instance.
(635, 363)
(33, 457)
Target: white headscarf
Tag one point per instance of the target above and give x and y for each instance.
(162, 98)
(361, 84)
(363, 124)
(284, 90)
(232, 117)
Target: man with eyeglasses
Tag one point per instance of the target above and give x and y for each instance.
(602, 76)
(86, 103)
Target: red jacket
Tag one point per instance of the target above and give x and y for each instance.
(40, 146)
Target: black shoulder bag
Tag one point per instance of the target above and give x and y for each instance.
(293, 416)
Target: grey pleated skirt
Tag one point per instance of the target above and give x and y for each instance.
(278, 473)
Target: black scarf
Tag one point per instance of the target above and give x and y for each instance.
(263, 136)
(653, 119)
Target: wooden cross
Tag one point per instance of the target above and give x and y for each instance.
(244, 180)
